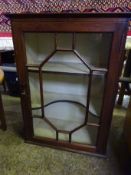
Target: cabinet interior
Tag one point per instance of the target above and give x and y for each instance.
(67, 75)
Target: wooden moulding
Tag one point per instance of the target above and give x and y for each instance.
(69, 15)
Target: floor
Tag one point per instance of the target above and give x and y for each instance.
(19, 158)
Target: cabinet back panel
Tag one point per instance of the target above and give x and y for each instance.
(93, 47)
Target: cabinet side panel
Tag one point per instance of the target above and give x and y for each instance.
(115, 63)
(21, 62)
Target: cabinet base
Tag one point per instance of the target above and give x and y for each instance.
(88, 150)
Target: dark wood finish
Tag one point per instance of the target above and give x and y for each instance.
(2, 116)
(114, 23)
(64, 145)
(41, 92)
(69, 15)
(115, 66)
(90, 152)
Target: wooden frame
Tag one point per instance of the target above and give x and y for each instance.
(116, 24)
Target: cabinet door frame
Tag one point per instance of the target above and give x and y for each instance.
(116, 26)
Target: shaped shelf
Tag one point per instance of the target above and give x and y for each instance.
(94, 106)
(68, 62)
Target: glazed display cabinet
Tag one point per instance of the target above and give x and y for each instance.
(68, 67)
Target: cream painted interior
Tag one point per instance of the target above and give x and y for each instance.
(85, 135)
(94, 49)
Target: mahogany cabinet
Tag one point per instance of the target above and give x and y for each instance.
(68, 67)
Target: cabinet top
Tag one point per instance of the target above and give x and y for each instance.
(69, 15)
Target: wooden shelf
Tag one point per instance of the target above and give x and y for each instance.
(66, 68)
(94, 107)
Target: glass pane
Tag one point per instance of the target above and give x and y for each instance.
(65, 116)
(38, 46)
(34, 89)
(85, 135)
(96, 98)
(64, 40)
(65, 101)
(43, 129)
(64, 137)
(57, 86)
(94, 48)
(70, 63)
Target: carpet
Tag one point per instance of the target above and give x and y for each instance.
(19, 158)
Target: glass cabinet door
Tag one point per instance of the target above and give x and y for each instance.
(66, 77)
